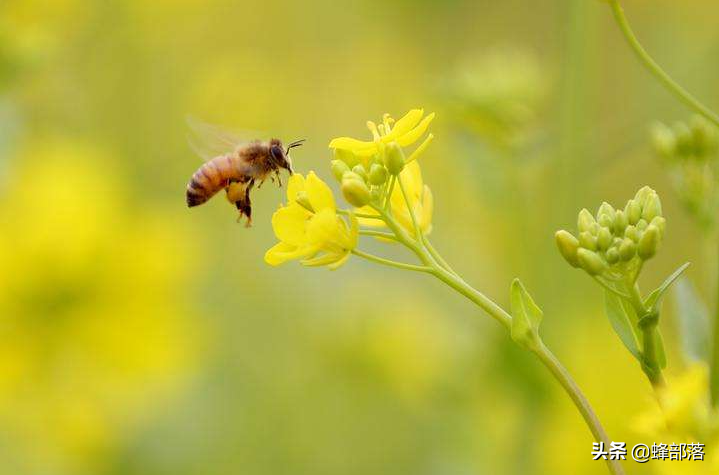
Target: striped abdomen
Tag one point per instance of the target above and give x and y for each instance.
(212, 177)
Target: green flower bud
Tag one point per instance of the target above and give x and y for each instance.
(303, 200)
(633, 211)
(585, 220)
(588, 241)
(627, 249)
(649, 243)
(631, 233)
(661, 223)
(394, 158)
(604, 239)
(568, 246)
(359, 169)
(605, 220)
(339, 168)
(642, 195)
(652, 207)
(620, 222)
(613, 255)
(642, 225)
(350, 175)
(377, 174)
(591, 262)
(703, 136)
(684, 139)
(606, 209)
(355, 192)
(665, 143)
(346, 156)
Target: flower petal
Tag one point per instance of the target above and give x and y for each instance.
(319, 194)
(295, 184)
(348, 143)
(322, 228)
(413, 135)
(290, 223)
(283, 252)
(405, 124)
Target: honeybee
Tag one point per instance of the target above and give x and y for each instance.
(234, 165)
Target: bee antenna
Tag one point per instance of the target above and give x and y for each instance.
(294, 144)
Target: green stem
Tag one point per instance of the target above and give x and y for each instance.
(650, 363)
(682, 94)
(359, 215)
(389, 262)
(436, 255)
(410, 209)
(610, 288)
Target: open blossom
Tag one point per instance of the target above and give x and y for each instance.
(309, 228)
(405, 132)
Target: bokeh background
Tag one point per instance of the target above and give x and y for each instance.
(138, 337)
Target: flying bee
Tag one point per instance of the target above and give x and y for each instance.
(234, 165)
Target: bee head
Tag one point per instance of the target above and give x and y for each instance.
(281, 156)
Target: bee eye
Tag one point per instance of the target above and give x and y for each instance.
(276, 152)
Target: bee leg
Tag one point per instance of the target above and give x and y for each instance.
(279, 180)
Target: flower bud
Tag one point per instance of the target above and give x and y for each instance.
(642, 195)
(585, 220)
(568, 246)
(606, 209)
(684, 139)
(633, 211)
(652, 207)
(613, 255)
(394, 158)
(649, 243)
(339, 168)
(359, 169)
(665, 143)
(346, 156)
(620, 222)
(631, 233)
(355, 191)
(350, 175)
(604, 238)
(591, 262)
(588, 241)
(642, 224)
(661, 223)
(627, 249)
(377, 174)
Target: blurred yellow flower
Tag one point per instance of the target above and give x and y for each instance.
(420, 199)
(405, 132)
(93, 336)
(309, 228)
(685, 415)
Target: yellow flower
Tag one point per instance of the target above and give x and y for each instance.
(405, 132)
(310, 229)
(420, 199)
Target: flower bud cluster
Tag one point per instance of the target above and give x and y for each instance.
(614, 241)
(697, 140)
(363, 179)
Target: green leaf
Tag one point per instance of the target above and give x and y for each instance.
(624, 320)
(526, 316)
(654, 298)
(694, 328)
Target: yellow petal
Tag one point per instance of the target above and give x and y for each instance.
(405, 124)
(348, 143)
(283, 252)
(319, 194)
(322, 228)
(323, 260)
(339, 263)
(413, 135)
(290, 223)
(295, 184)
(374, 223)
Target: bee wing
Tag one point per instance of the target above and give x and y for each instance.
(209, 140)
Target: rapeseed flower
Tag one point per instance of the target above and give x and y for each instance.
(309, 228)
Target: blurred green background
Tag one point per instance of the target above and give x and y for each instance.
(138, 337)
